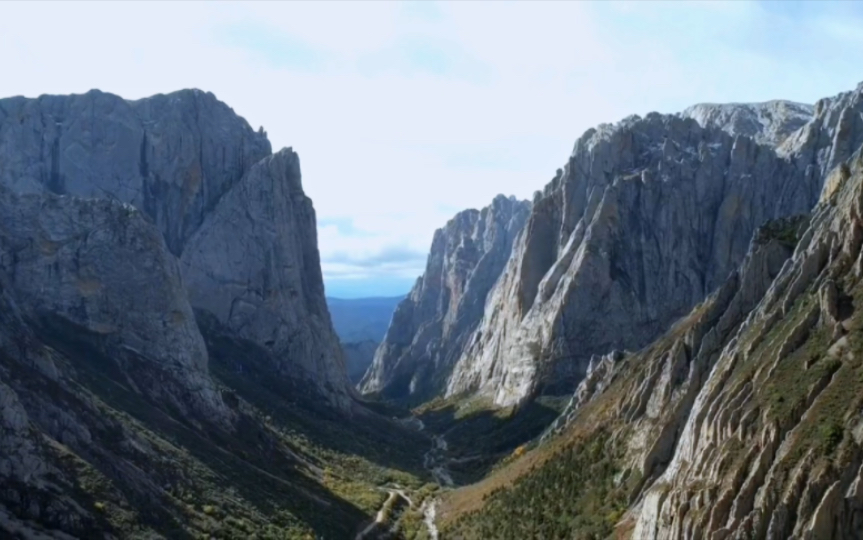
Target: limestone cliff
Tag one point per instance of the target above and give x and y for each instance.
(233, 212)
(168, 368)
(646, 219)
(632, 406)
(173, 156)
(120, 419)
(254, 264)
(431, 327)
(771, 447)
(94, 277)
(742, 419)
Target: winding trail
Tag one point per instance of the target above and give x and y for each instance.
(436, 461)
(380, 517)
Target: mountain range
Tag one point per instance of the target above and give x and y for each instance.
(663, 343)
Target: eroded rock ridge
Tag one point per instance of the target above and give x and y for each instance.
(431, 327)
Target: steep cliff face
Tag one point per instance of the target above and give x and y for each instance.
(173, 156)
(254, 264)
(628, 412)
(430, 327)
(168, 368)
(772, 446)
(647, 218)
(234, 213)
(94, 277)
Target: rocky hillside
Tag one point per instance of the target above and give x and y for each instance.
(431, 327)
(742, 420)
(230, 210)
(646, 219)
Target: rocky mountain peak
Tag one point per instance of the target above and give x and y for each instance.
(171, 155)
(648, 216)
(431, 326)
(770, 122)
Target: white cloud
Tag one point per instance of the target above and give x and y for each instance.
(403, 113)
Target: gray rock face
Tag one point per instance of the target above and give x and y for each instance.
(647, 218)
(787, 484)
(831, 137)
(767, 123)
(101, 266)
(430, 327)
(254, 264)
(172, 156)
(233, 213)
(743, 419)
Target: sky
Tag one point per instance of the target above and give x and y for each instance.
(405, 113)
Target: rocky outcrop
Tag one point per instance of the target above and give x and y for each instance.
(254, 264)
(768, 123)
(172, 156)
(234, 213)
(99, 265)
(94, 280)
(647, 218)
(116, 422)
(769, 447)
(168, 368)
(32, 481)
(431, 327)
(658, 384)
(742, 421)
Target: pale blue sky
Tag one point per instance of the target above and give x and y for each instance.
(404, 113)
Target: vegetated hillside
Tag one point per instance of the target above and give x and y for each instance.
(87, 452)
(362, 319)
(742, 421)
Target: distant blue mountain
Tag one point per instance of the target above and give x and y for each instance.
(362, 319)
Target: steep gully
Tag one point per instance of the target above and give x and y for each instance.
(436, 461)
